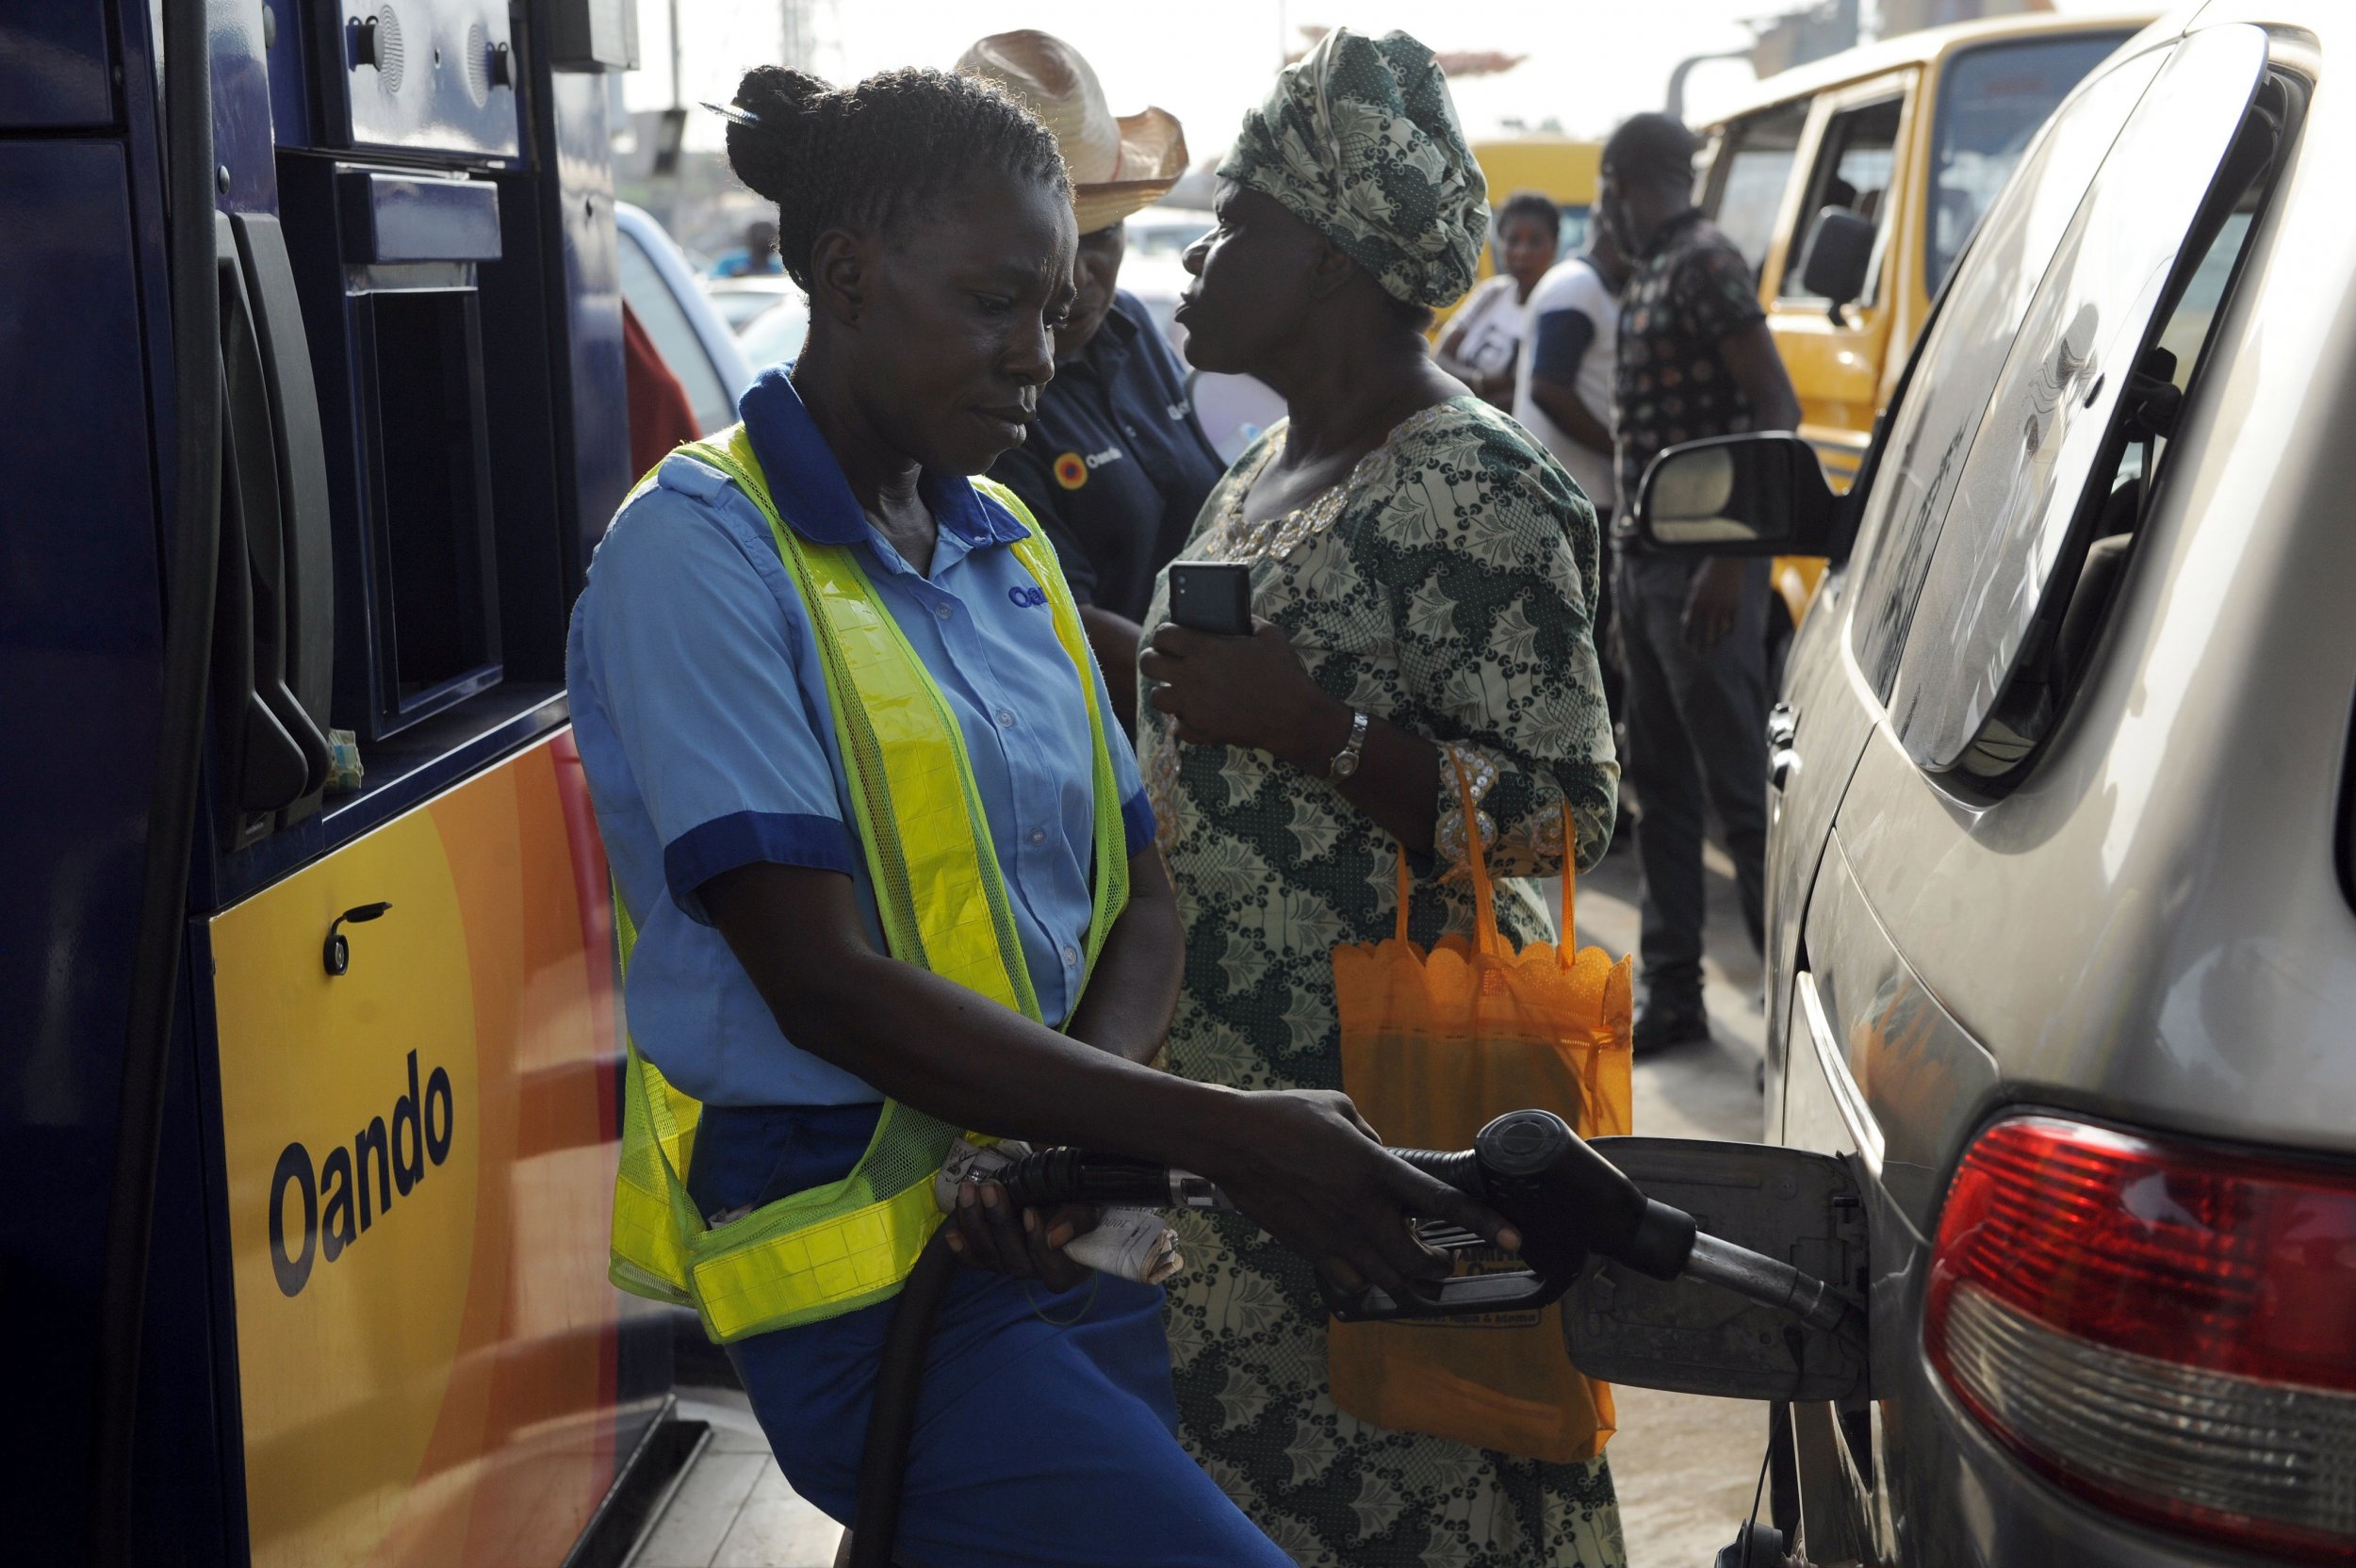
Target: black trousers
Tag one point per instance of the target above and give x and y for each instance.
(1696, 739)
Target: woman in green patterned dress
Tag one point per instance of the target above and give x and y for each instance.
(1423, 580)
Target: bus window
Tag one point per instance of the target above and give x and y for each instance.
(1852, 172)
(1758, 165)
(1571, 238)
(1991, 102)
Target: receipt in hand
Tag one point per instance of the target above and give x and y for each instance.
(1128, 1244)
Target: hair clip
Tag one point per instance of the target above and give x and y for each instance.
(736, 115)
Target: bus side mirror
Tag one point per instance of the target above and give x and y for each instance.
(1758, 493)
(1840, 251)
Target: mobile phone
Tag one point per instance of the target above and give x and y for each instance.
(1211, 595)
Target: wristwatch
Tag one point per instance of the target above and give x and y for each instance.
(1345, 761)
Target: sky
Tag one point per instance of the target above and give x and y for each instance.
(1591, 62)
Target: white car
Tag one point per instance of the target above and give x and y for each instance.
(669, 302)
(775, 335)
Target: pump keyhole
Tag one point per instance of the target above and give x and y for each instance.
(336, 954)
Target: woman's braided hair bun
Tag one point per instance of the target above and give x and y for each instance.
(875, 153)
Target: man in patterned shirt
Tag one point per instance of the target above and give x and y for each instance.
(1695, 359)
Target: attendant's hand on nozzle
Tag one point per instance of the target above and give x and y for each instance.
(1305, 1166)
(987, 1231)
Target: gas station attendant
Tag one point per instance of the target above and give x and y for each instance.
(890, 873)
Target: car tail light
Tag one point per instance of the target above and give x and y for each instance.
(2167, 1330)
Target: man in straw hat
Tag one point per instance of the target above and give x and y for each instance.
(1116, 468)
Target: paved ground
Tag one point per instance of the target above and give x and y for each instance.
(1685, 1466)
(734, 1510)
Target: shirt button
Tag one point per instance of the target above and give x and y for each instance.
(1071, 953)
(942, 610)
(1039, 835)
(1005, 718)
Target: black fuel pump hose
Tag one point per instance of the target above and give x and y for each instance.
(192, 558)
(883, 1460)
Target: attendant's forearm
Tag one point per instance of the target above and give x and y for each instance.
(1129, 998)
(944, 1050)
(1397, 783)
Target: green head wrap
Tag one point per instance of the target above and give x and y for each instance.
(1360, 141)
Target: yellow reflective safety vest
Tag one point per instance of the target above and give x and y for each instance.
(851, 1243)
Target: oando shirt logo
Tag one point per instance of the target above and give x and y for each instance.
(1071, 469)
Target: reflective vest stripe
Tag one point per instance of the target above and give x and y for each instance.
(944, 905)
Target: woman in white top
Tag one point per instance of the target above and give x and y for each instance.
(1483, 341)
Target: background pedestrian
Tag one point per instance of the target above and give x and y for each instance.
(1695, 359)
(1483, 341)
(1116, 468)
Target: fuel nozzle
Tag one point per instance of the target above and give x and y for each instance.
(1569, 1201)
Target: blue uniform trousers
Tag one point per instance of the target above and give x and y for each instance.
(1046, 1429)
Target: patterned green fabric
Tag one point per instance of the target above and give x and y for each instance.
(1451, 590)
(1360, 141)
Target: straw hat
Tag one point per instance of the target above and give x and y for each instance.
(1118, 166)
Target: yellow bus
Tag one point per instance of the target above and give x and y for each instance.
(1563, 167)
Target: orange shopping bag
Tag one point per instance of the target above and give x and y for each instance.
(1434, 1046)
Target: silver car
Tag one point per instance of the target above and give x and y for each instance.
(2062, 946)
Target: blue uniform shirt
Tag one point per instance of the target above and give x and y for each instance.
(701, 714)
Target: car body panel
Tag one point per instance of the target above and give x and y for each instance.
(1818, 730)
(2149, 929)
(2126, 925)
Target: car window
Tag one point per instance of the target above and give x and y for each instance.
(1854, 165)
(1992, 100)
(1930, 430)
(1754, 168)
(658, 311)
(2080, 341)
(2093, 548)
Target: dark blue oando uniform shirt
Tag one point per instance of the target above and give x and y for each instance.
(1117, 467)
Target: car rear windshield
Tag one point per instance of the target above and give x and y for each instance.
(1991, 102)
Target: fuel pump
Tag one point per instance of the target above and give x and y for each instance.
(318, 411)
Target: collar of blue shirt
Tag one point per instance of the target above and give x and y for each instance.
(816, 499)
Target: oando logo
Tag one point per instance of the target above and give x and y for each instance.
(366, 1135)
(354, 1187)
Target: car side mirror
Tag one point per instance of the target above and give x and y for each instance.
(1759, 494)
(1840, 251)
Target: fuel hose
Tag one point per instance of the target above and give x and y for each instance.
(883, 1460)
(192, 559)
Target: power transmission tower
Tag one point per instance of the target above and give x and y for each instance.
(797, 34)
